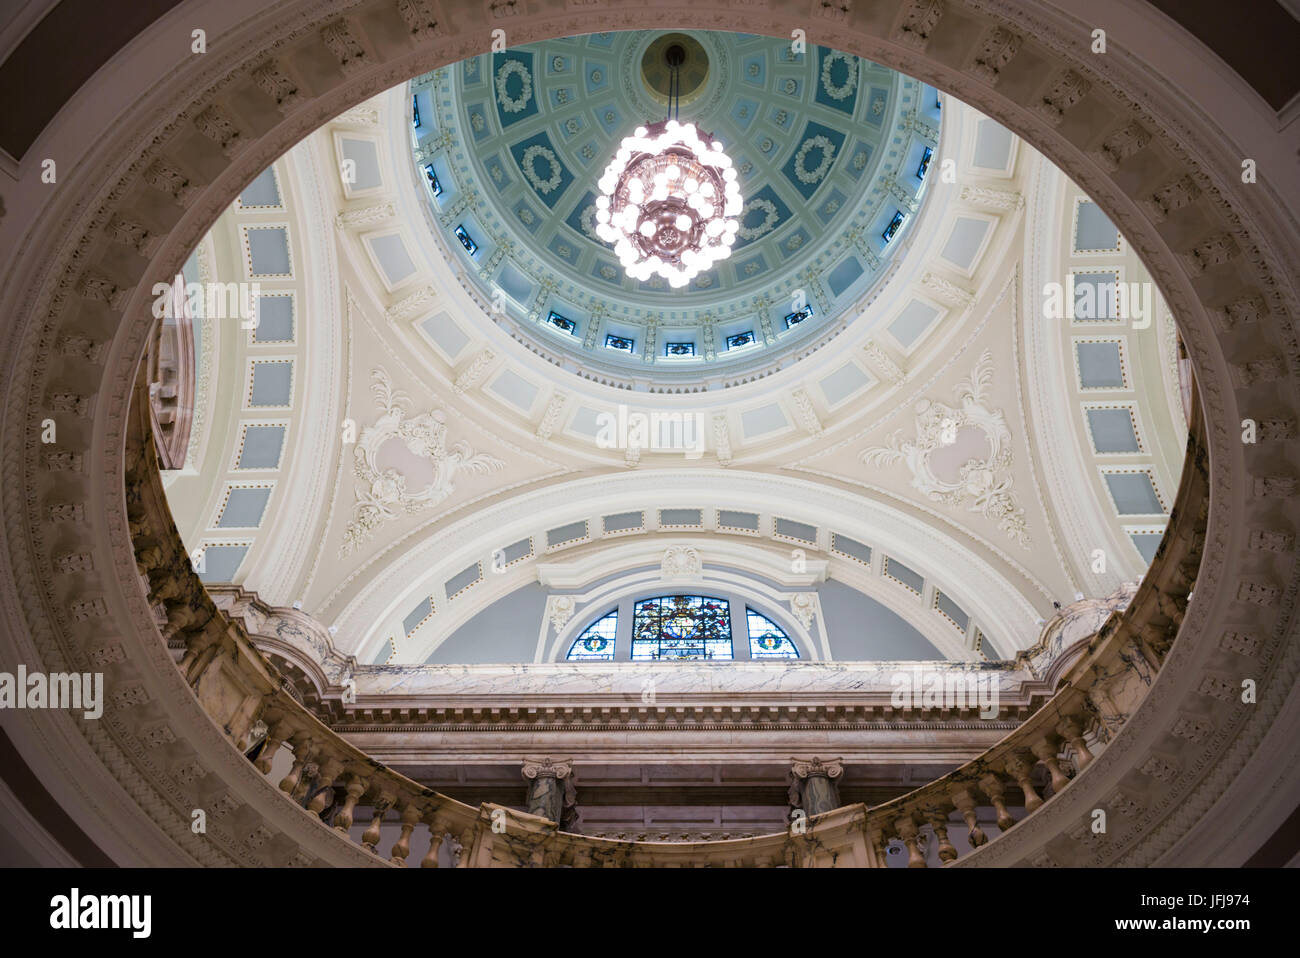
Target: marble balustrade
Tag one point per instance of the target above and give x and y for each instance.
(243, 693)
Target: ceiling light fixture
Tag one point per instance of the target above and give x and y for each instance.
(669, 199)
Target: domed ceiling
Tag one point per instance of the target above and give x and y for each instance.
(830, 150)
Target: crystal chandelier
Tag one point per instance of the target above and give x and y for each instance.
(669, 200)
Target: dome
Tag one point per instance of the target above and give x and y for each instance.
(830, 150)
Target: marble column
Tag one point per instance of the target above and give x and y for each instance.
(547, 788)
(816, 781)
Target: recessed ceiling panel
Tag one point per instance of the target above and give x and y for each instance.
(261, 447)
(274, 318)
(1134, 493)
(446, 334)
(1093, 230)
(262, 192)
(1100, 365)
(1112, 430)
(363, 159)
(268, 251)
(912, 322)
(764, 419)
(220, 562)
(390, 252)
(964, 241)
(272, 383)
(244, 508)
(992, 146)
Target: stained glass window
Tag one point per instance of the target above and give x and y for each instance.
(766, 639)
(461, 234)
(925, 163)
(798, 316)
(893, 226)
(681, 627)
(432, 177)
(561, 322)
(597, 643)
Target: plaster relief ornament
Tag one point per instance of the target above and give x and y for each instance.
(981, 484)
(681, 562)
(507, 70)
(804, 607)
(839, 91)
(560, 611)
(382, 492)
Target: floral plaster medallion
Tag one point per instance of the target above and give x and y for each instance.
(383, 491)
(944, 459)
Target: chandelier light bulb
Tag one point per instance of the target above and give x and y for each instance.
(668, 202)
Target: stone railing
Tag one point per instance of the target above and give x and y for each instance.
(332, 780)
(1096, 695)
(425, 692)
(169, 362)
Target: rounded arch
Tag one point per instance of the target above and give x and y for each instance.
(737, 591)
(1003, 609)
(158, 166)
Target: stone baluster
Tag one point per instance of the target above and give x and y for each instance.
(458, 857)
(275, 737)
(906, 829)
(965, 803)
(353, 791)
(302, 752)
(1047, 749)
(877, 838)
(1018, 768)
(436, 834)
(310, 774)
(1072, 732)
(370, 837)
(937, 816)
(329, 770)
(992, 786)
(402, 847)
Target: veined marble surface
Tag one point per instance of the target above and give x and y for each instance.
(642, 679)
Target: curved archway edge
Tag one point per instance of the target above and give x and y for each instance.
(153, 180)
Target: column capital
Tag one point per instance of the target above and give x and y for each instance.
(826, 768)
(547, 768)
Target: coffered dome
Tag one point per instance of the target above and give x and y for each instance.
(830, 150)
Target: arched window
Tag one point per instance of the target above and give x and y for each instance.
(681, 627)
(766, 639)
(597, 642)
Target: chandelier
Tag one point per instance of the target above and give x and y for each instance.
(669, 199)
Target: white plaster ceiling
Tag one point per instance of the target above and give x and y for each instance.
(485, 445)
